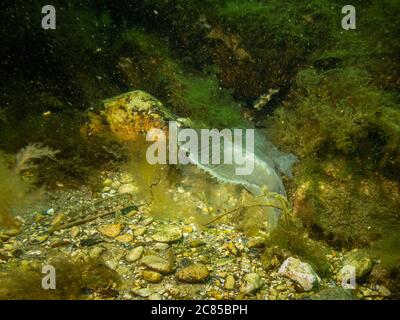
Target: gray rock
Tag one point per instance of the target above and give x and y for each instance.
(167, 234)
(158, 264)
(135, 254)
(143, 292)
(252, 283)
(300, 272)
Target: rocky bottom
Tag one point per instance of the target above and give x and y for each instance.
(153, 258)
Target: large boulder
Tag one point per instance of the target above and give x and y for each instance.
(127, 116)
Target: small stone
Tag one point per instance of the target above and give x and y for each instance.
(75, 231)
(58, 219)
(106, 189)
(252, 283)
(39, 238)
(96, 252)
(115, 185)
(131, 213)
(144, 292)
(124, 238)
(107, 182)
(155, 296)
(157, 264)
(230, 282)
(161, 246)
(139, 232)
(128, 188)
(135, 254)
(111, 230)
(187, 229)
(196, 243)
(111, 264)
(147, 221)
(167, 234)
(195, 273)
(12, 232)
(152, 276)
(216, 294)
(384, 291)
(123, 271)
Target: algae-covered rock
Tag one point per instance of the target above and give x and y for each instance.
(128, 115)
(252, 283)
(111, 230)
(358, 261)
(195, 273)
(158, 264)
(336, 293)
(134, 254)
(152, 276)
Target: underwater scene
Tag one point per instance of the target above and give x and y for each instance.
(200, 150)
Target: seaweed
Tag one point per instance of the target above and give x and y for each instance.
(74, 280)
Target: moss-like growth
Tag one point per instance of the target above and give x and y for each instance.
(14, 193)
(346, 134)
(293, 241)
(74, 280)
(207, 104)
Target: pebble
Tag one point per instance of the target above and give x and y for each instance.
(111, 230)
(75, 231)
(143, 292)
(252, 283)
(115, 185)
(139, 232)
(135, 254)
(230, 282)
(195, 273)
(158, 264)
(96, 252)
(106, 189)
(161, 246)
(107, 182)
(147, 221)
(167, 234)
(128, 188)
(195, 243)
(155, 296)
(58, 219)
(124, 238)
(152, 276)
